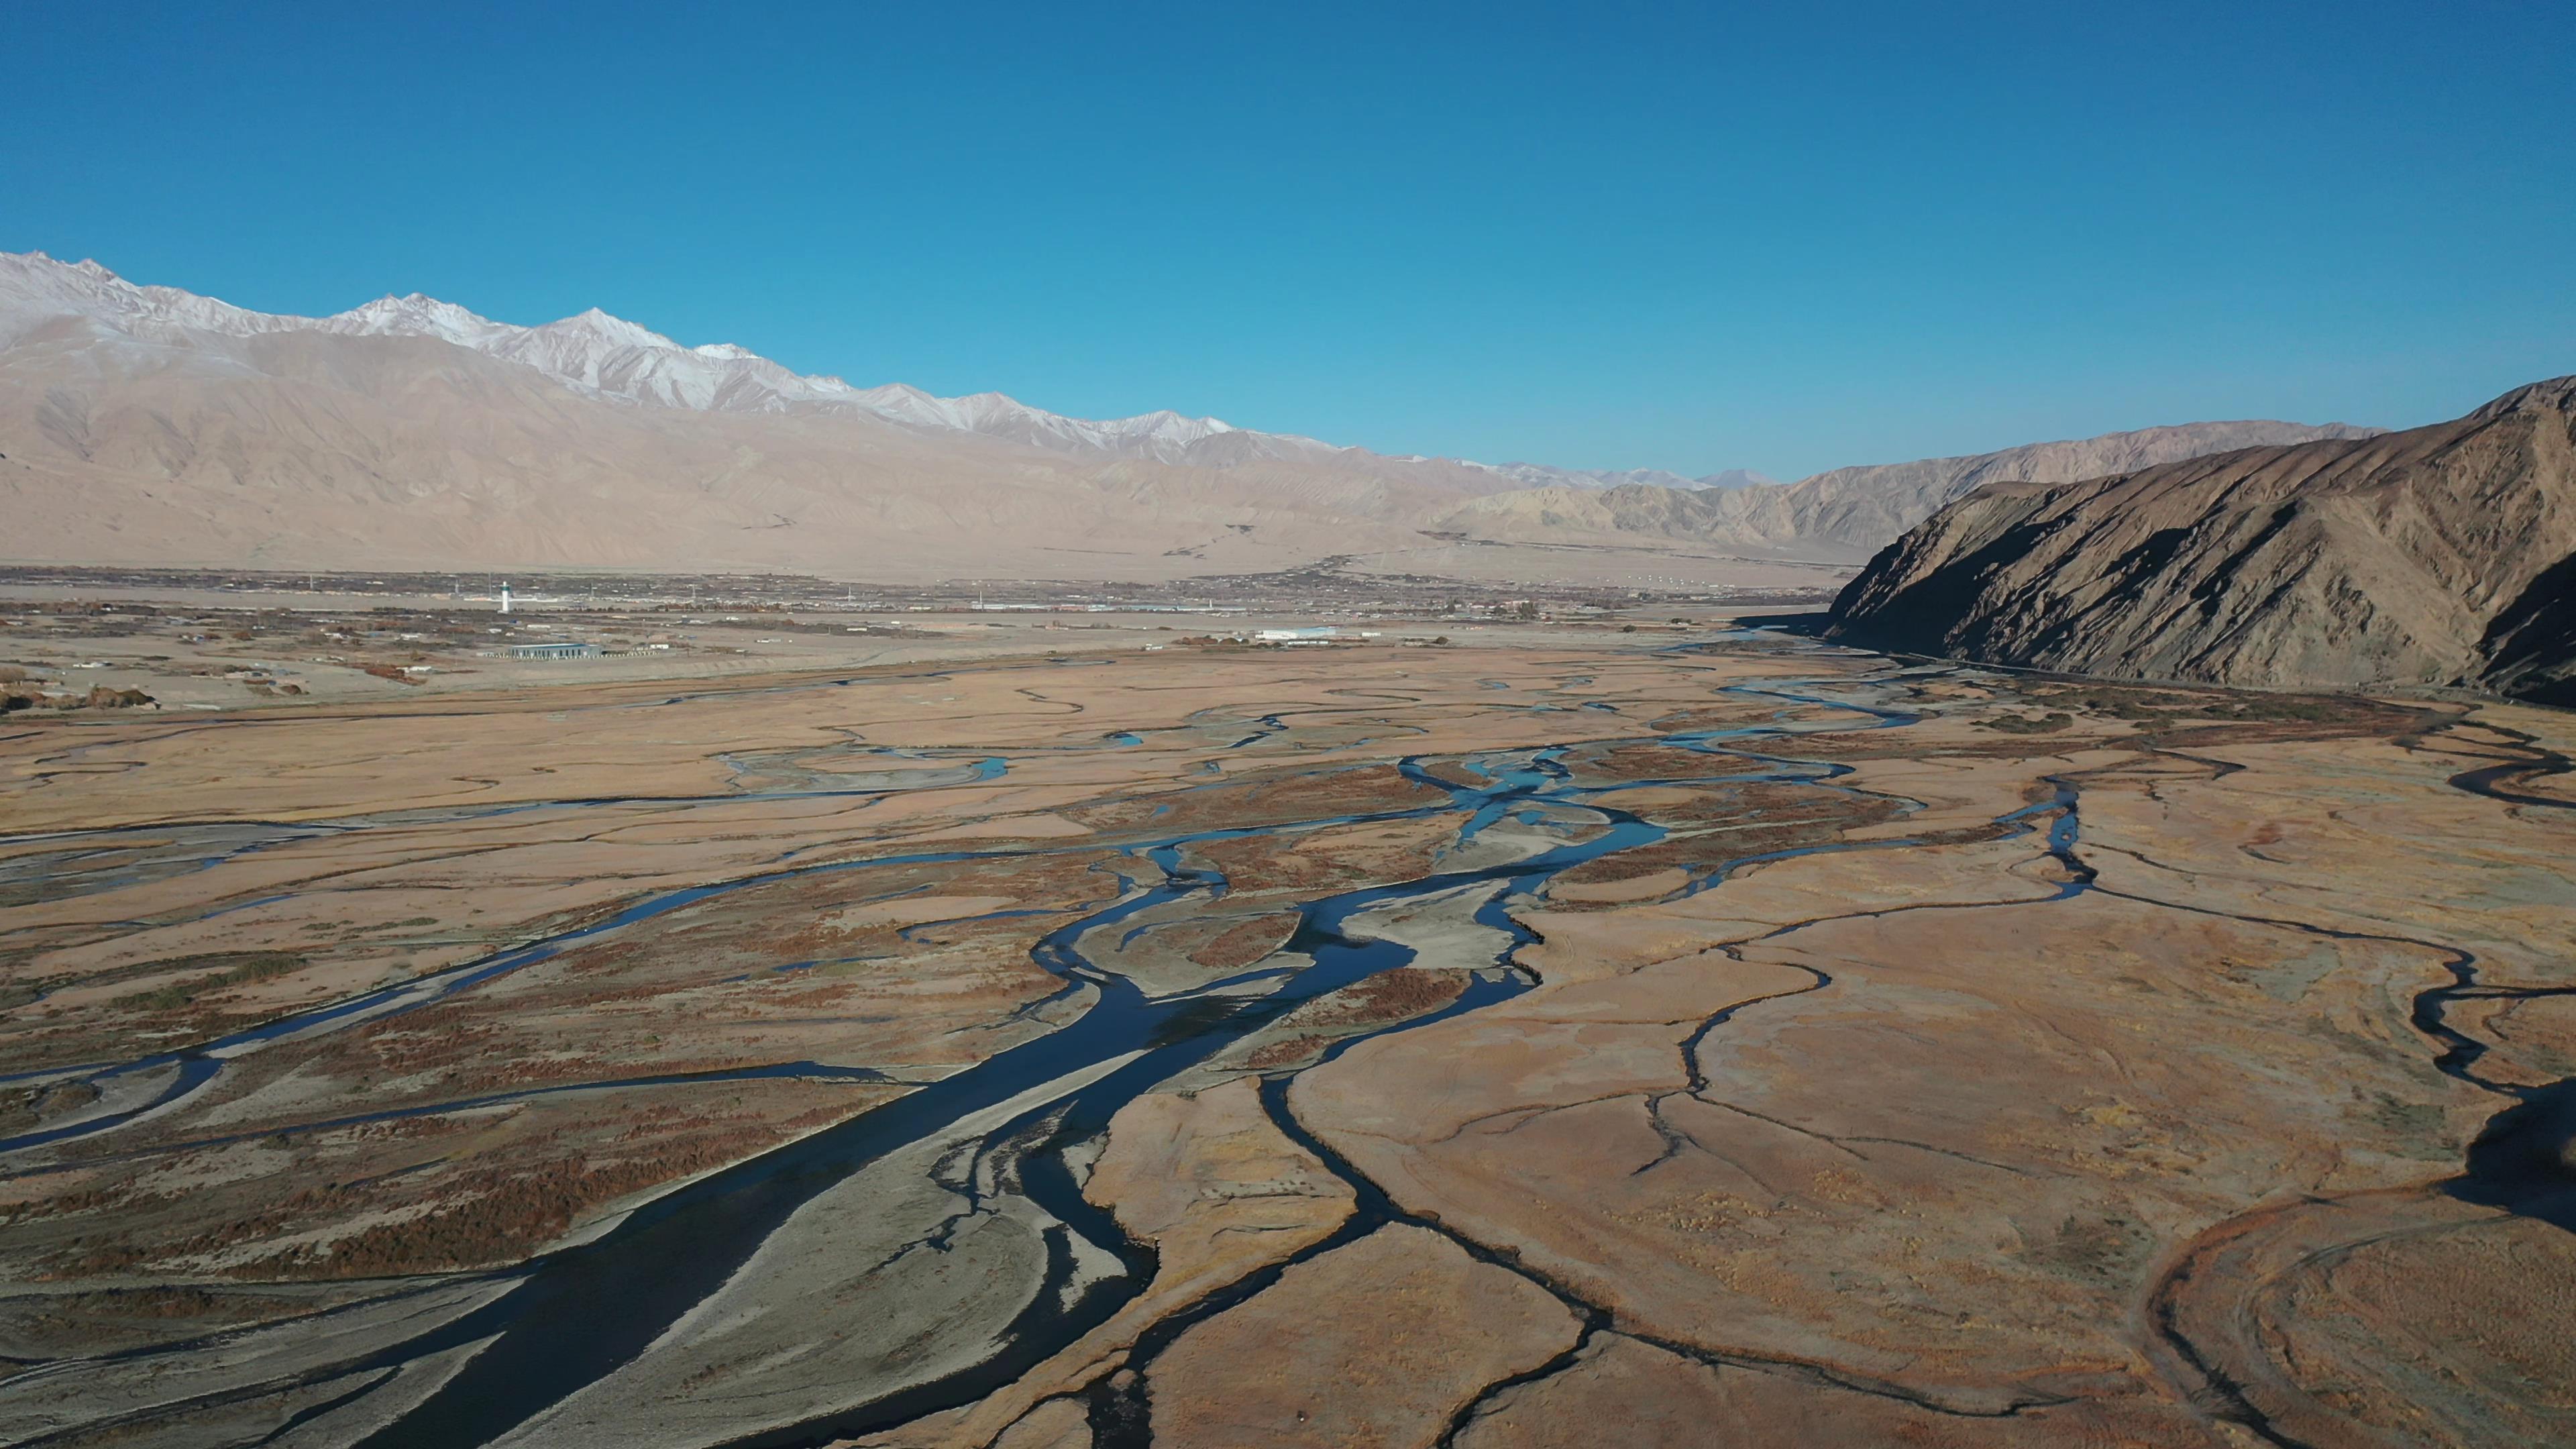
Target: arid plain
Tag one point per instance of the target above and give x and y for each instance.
(1656, 1039)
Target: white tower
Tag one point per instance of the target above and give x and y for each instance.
(505, 598)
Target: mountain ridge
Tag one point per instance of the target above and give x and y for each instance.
(151, 427)
(615, 358)
(1854, 511)
(2443, 556)
(147, 425)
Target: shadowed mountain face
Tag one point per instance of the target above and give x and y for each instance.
(2441, 555)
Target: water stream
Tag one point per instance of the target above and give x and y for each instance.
(575, 1315)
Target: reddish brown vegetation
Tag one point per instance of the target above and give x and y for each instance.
(1286, 1052)
(1229, 943)
(1765, 822)
(1268, 800)
(493, 1213)
(1248, 942)
(1391, 996)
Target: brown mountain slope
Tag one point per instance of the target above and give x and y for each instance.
(305, 450)
(1849, 512)
(2441, 555)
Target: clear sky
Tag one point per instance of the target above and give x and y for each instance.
(1781, 236)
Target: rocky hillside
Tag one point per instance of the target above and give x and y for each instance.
(2440, 555)
(1848, 512)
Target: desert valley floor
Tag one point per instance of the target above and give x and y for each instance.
(1647, 1040)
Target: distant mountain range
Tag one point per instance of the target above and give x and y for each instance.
(149, 425)
(1539, 475)
(1849, 512)
(608, 357)
(2444, 555)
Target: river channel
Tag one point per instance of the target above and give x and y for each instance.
(1023, 1119)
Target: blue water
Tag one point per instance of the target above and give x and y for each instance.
(578, 1313)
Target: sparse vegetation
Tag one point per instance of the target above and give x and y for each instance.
(36, 696)
(2154, 706)
(2029, 724)
(227, 968)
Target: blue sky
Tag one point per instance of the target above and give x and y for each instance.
(1693, 237)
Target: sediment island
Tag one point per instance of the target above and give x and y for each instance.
(1711, 1029)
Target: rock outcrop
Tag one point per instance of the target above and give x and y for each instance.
(2442, 555)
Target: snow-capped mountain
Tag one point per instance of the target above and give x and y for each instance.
(152, 426)
(612, 358)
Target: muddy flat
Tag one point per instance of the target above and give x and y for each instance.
(1659, 1040)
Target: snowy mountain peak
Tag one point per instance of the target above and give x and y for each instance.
(416, 316)
(1166, 423)
(609, 357)
(34, 285)
(614, 331)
